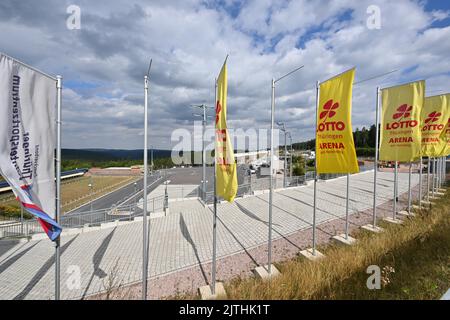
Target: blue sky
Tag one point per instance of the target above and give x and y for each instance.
(104, 62)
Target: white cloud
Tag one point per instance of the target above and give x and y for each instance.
(188, 41)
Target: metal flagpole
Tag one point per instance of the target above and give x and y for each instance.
(440, 172)
(444, 169)
(213, 272)
(395, 191)
(375, 171)
(315, 175)
(58, 188)
(434, 177)
(409, 187)
(272, 123)
(21, 218)
(285, 159)
(151, 160)
(204, 155)
(144, 202)
(437, 174)
(346, 206)
(428, 180)
(420, 184)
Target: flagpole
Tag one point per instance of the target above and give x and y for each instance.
(346, 206)
(144, 202)
(375, 171)
(420, 183)
(434, 177)
(444, 168)
(315, 174)
(409, 187)
(204, 156)
(58, 188)
(213, 271)
(395, 191)
(437, 174)
(428, 180)
(272, 124)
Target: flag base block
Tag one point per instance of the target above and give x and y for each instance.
(392, 220)
(441, 190)
(262, 272)
(436, 197)
(308, 254)
(206, 294)
(416, 207)
(427, 203)
(344, 240)
(372, 228)
(439, 193)
(406, 213)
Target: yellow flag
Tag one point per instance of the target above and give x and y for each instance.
(400, 137)
(226, 175)
(335, 149)
(434, 118)
(445, 134)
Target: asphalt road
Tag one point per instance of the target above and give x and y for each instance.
(127, 194)
(122, 196)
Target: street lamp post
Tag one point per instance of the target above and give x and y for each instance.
(151, 160)
(135, 198)
(91, 193)
(283, 129)
(204, 118)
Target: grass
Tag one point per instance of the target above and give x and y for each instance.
(414, 257)
(76, 192)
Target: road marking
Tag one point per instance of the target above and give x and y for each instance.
(139, 192)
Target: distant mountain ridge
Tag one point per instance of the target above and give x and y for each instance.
(110, 154)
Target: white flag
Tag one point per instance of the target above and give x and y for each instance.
(28, 139)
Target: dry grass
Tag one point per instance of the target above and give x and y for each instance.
(76, 192)
(418, 251)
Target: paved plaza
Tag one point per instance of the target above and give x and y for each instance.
(181, 239)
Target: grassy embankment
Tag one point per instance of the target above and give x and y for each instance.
(414, 259)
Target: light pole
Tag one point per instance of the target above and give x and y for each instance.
(166, 198)
(291, 156)
(272, 122)
(135, 198)
(90, 190)
(145, 235)
(204, 118)
(151, 160)
(283, 129)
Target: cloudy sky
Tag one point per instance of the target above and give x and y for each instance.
(103, 62)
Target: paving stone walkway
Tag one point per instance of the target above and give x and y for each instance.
(180, 240)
